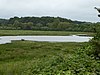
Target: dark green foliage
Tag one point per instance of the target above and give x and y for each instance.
(45, 23)
(96, 41)
(3, 21)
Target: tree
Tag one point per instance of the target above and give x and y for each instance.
(39, 25)
(63, 25)
(96, 41)
(26, 26)
(29, 25)
(16, 24)
(55, 23)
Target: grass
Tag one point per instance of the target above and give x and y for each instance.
(29, 50)
(47, 58)
(24, 57)
(31, 32)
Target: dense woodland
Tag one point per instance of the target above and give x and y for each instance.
(45, 23)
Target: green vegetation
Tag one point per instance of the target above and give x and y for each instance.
(47, 58)
(45, 23)
(96, 42)
(31, 32)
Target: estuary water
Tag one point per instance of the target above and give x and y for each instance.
(72, 38)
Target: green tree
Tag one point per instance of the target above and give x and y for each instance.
(64, 25)
(96, 41)
(55, 23)
(39, 25)
(16, 24)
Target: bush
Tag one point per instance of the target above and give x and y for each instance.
(96, 42)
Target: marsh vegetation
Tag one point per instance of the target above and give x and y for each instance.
(47, 58)
(31, 32)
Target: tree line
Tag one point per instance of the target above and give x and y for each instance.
(45, 23)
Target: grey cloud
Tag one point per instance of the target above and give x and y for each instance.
(76, 10)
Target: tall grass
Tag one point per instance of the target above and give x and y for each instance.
(31, 32)
(47, 58)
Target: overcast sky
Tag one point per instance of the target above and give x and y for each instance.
(72, 9)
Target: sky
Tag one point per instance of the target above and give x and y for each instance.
(81, 10)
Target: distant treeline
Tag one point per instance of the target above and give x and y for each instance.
(45, 23)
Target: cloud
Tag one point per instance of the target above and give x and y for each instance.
(76, 10)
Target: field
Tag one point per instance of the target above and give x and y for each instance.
(21, 56)
(46, 58)
(31, 32)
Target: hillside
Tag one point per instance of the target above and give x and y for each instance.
(45, 23)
